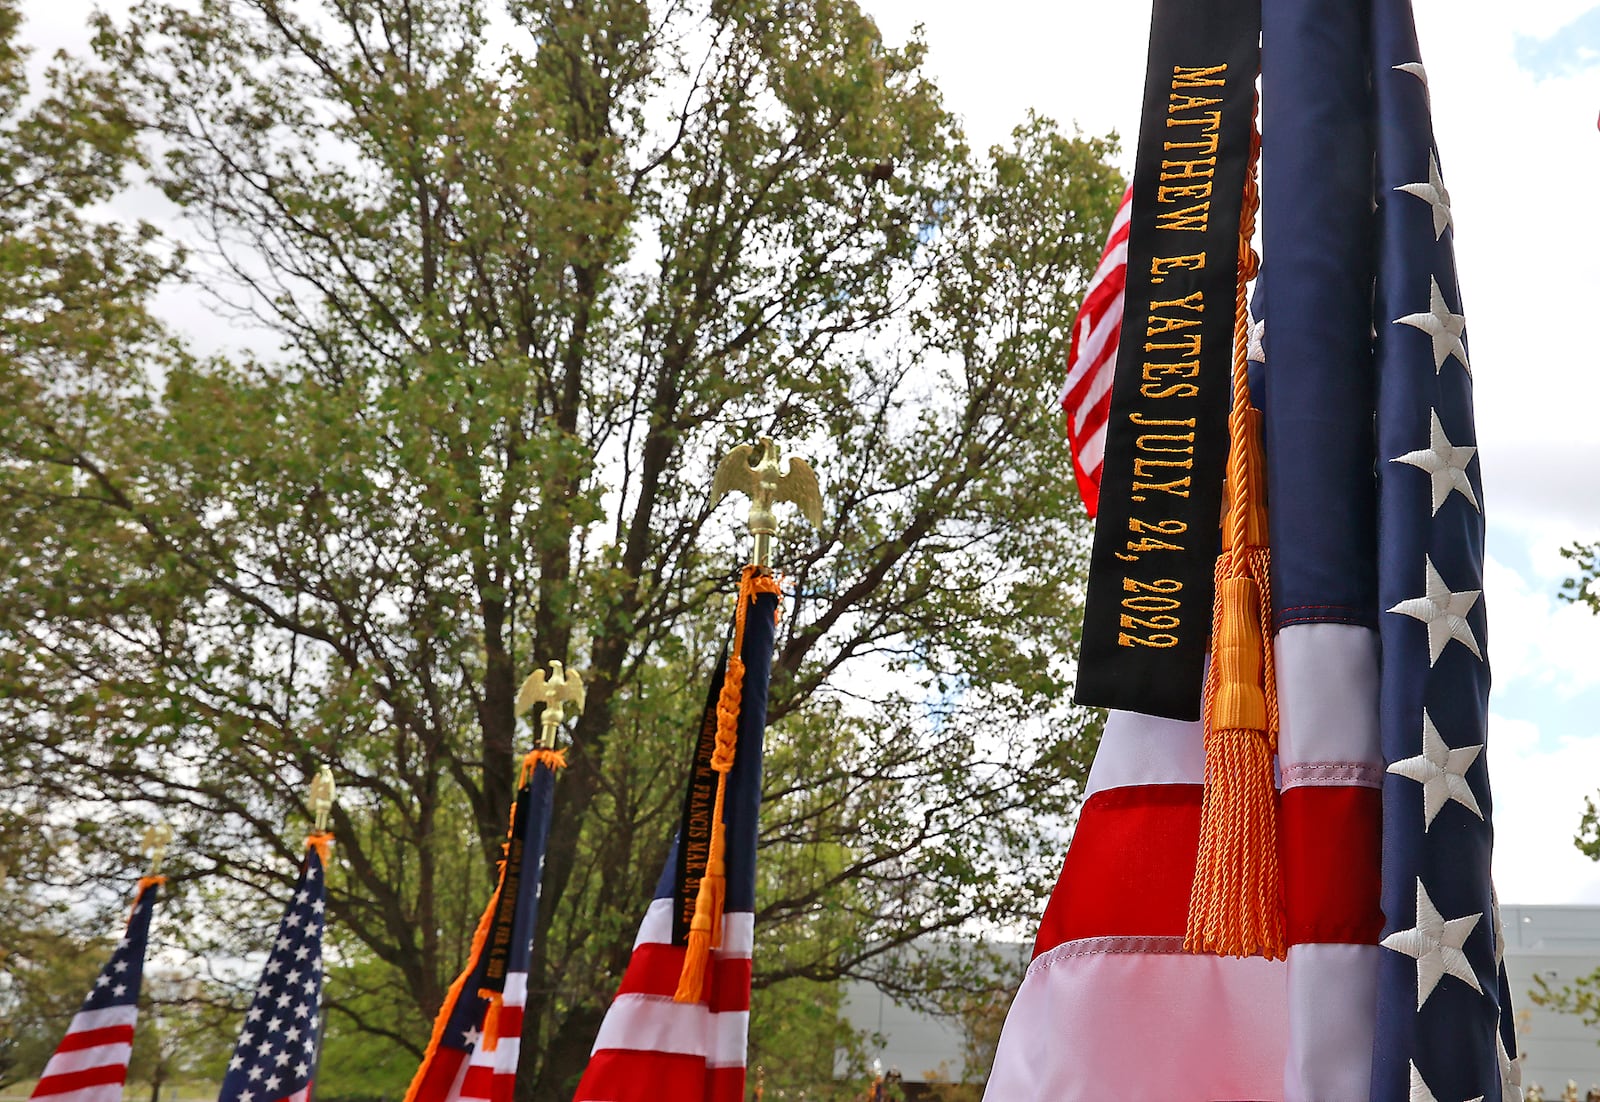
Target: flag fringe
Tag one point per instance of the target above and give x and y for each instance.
(553, 760)
(705, 928)
(321, 841)
(1236, 901)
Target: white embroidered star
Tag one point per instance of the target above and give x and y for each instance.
(236, 1063)
(1415, 69)
(254, 1013)
(274, 1024)
(283, 943)
(473, 1037)
(254, 1072)
(246, 1096)
(1444, 612)
(1257, 347)
(1420, 1091)
(291, 919)
(120, 966)
(292, 1034)
(301, 1069)
(102, 980)
(282, 1058)
(120, 989)
(273, 1082)
(1446, 464)
(301, 896)
(302, 953)
(274, 967)
(283, 1001)
(1442, 773)
(1434, 194)
(1436, 944)
(1510, 1071)
(1444, 327)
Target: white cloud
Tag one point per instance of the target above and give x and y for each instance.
(1534, 638)
(1539, 787)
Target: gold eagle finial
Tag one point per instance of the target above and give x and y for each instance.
(766, 482)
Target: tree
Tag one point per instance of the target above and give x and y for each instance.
(530, 276)
(1582, 996)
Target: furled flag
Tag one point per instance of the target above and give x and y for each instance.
(1390, 987)
(275, 1058)
(91, 1063)
(678, 1027)
(477, 1036)
(1092, 360)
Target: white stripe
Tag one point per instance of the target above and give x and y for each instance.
(516, 989)
(1109, 262)
(1327, 694)
(1102, 332)
(1099, 386)
(1145, 1028)
(1141, 749)
(104, 1092)
(1333, 993)
(1328, 708)
(85, 1020)
(655, 1023)
(1093, 452)
(83, 1059)
(738, 929)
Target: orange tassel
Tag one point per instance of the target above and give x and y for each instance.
(705, 928)
(491, 1019)
(1236, 902)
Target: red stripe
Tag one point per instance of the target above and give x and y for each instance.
(483, 1081)
(93, 1038)
(1129, 868)
(441, 1074)
(625, 1075)
(78, 1080)
(510, 1023)
(1131, 864)
(654, 970)
(1333, 844)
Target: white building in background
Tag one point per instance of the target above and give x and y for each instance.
(1559, 943)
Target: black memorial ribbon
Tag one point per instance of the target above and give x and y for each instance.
(1148, 616)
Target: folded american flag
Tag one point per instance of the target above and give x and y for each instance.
(477, 1037)
(275, 1058)
(678, 1028)
(91, 1063)
(1392, 990)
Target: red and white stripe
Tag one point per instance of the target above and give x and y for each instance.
(91, 1062)
(652, 1049)
(1092, 359)
(489, 1074)
(1112, 1003)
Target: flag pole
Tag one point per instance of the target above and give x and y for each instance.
(323, 795)
(765, 481)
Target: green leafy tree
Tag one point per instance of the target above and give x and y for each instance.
(530, 273)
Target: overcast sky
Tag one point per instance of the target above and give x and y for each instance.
(1516, 91)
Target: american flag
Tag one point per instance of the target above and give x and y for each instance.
(651, 1048)
(1092, 359)
(1393, 989)
(91, 1063)
(275, 1058)
(477, 1044)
